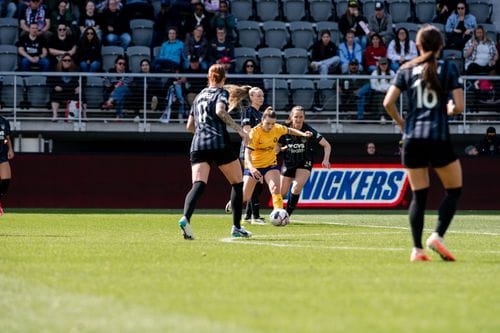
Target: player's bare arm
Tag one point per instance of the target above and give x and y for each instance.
(221, 112)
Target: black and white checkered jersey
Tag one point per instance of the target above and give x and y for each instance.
(299, 149)
(210, 131)
(427, 115)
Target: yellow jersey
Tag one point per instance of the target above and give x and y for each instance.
(262, 145)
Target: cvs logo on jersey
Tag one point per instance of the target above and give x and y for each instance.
(367, 185)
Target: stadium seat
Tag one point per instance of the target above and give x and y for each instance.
(11, 92)
(425, 10)
(156, 6)
(277, 93)
(481, 9)
(9, 29)
(94, 92)
(491, 31)
(275, 34)
(135, 55)
(297, 60)
(156, 51)
(142, 32)
(456, 57)
(411, 27)
(333, 27)
(242, 9)
(267, 10)
(270, 59)
(340, 7)
(320, 10)
(293, 10)
(241, 54)
(301, 34)
(8, 58)
(400, 10)
(327, 95)
(249, 34)
(109, 54)
(368, 7)
(302, 92)
(37, 91)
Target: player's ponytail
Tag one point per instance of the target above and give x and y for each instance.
(429, 42)
(216, 74)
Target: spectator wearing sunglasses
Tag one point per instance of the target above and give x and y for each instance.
(117, 86)
(60, 44)
(89, 51)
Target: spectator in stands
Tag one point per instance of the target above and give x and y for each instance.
(250, 69)
(352, 20)
(175, 90)
(32, 50)
(381, 23)
(401, 49)
(349, 51)
(65, 16)
(6, 154)
(90, 18)
(459, 27)
(172, 57)
(350, 87)
(379, 86)
(195, 85)
(117, 86)
(224, 19)
(199, 17)
(60, 44)
(211, 6)
(444, 8)
(480, 53)
(371, 149)
(64, 88)
(227, 63)
(8, 8)
(155, 95)
(139, 9)
(375, 50)
(324, 54)
(103, 4)
(35, 13)
(168, 16)
(89, 51)
(220, 47)
(115, 26)
(490, 144)
(196, 46)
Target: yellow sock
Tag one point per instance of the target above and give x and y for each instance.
(277, 201)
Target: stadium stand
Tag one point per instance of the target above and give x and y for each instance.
(275, 34)
(8, 58)
(333, 27)
(249, 34)
(302, 92)
(37, 91)
(293, 10)
(135, 55)
(279, 96)
(242, 9)
(142, 32)
(271, 61)
(425, 10)
(267, 10)
(297, 60)
(109, 54)
(481, 9)
(400, 10)
(320, 10)
(241, 54)
(12, 93)
(327, 96)
(301, 34)
(9, 30)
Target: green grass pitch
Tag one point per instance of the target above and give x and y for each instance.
(329, 271)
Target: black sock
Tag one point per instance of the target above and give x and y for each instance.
(292, 203)
(255, 202)
(447, 209)
(416, 215)
(192, 198)
(248, 211)
(237, 203)
(4, 186)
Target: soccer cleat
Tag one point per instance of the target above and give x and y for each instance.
(436, 243)
(228, 208)
(247, 220)
(186, 229)
(241, 232)
(419, 255)
(259, 220)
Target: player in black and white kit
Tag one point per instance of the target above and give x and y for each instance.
(298, 157)
(435, 92)
(6, 154)
(208, 120)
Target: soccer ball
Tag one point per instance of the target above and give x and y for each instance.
(279, 217)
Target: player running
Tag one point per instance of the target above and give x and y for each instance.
(298, 157)
(429, 83)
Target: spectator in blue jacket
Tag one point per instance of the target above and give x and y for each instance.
(459, 27)
(172, 57)
(348, 51)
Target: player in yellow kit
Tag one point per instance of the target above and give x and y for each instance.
(260, 156)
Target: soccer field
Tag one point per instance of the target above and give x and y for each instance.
(331, 271)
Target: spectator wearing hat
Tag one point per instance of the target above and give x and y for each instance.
(348, 51)
(351, 85)
(375, 50)
(220, 47)
(171, 57)
(223, 18)
(324, 54)
(227, 62)
(490, 144)
(352, 20)
(380, 22)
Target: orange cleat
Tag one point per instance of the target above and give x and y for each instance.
(419, 255)
(436, 243)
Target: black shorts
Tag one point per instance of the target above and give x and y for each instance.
(290, 171)
(3, 158)
(217, 156)
(425, 153)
